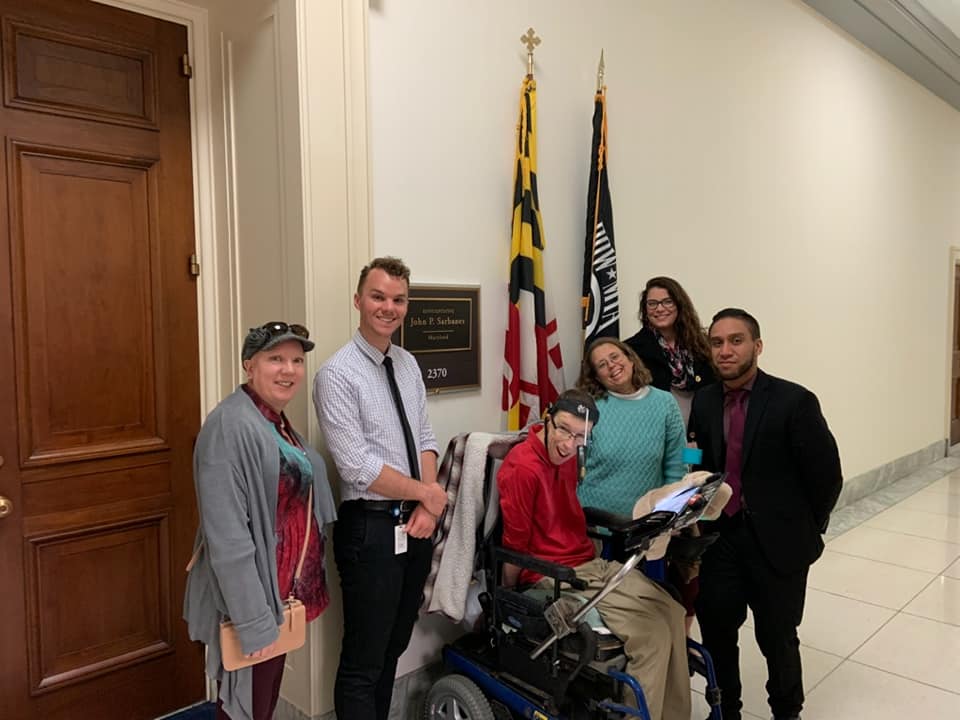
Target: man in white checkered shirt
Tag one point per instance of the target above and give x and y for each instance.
(388, 487)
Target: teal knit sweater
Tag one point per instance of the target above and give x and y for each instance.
(636, 446)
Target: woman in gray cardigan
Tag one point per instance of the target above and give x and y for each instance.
(253, 473)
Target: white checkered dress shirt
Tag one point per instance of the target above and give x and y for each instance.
(358, 417)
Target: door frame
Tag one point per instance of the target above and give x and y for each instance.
(951, 304)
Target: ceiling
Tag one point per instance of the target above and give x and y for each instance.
(918, 36)
(946, 11)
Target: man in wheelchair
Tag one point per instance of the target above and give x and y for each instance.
(542, 517)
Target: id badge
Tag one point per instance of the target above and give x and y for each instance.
(399, 539)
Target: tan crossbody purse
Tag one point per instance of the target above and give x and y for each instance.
(293, 631)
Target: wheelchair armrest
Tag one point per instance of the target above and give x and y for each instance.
(543, 567)
(592, 532)
(609, 520)
(632, 531)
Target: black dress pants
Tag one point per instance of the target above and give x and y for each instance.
(735, 574)
(382, 593)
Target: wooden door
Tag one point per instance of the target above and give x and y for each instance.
(99, 394)
(955, 373)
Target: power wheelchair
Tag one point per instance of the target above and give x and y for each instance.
(543, 655)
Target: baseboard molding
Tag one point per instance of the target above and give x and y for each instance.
(860, 486)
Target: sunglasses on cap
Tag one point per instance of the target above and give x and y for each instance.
(271, 333)
(280, 328)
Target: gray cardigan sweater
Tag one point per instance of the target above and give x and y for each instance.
(236, 468)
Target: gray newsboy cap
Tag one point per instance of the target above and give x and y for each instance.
(271, 335)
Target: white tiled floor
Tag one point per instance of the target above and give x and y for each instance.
(880, 638)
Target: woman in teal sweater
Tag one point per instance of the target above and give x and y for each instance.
(640, 444)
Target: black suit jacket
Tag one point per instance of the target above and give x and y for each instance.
(791, 475)
(645, 345)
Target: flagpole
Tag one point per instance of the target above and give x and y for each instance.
(533, 365)
(601, 151)
(601, 303)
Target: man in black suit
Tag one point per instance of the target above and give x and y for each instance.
(781, 460)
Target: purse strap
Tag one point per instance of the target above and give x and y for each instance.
(306, 542)
(303, 550)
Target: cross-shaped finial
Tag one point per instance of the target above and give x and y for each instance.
(530, 39)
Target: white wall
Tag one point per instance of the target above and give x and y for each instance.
(758, 154)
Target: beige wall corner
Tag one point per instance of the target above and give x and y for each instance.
(332, 60)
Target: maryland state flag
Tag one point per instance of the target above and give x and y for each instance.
(601, 300)
(532, 375)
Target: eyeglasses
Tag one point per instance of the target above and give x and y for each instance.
(667, 304)
(279, 328)
(564, 434)
(614, 357)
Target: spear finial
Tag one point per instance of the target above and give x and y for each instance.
(600, 69)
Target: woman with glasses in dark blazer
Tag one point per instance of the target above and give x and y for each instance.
(672, 343)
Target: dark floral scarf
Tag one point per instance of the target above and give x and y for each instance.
(681, 364)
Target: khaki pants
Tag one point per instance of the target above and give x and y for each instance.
(650, 624)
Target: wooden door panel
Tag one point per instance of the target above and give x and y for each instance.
(98, 631)
(84, 329)
(99, 402)
(55, 493)
(79, 76)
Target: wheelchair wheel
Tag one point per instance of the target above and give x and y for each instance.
(455, 697)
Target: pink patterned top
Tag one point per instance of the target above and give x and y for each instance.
(296, 476)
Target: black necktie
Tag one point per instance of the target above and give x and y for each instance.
(407, 434)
